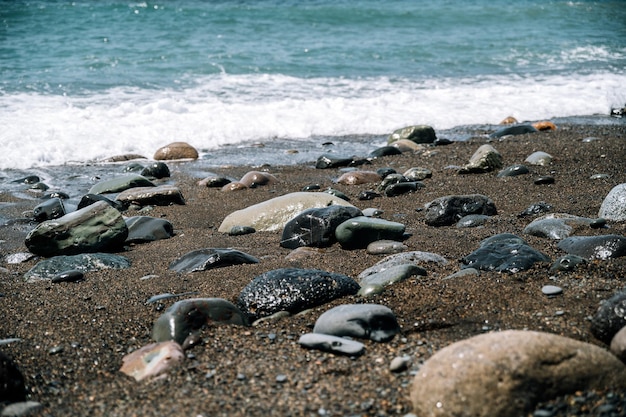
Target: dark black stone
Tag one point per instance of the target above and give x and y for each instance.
(610, 317)
(329, 161)
(73, 275)
(12, 388)
(514, 130)
(513, 170)
(293, 290)
(210, 258)
(385, 151)
(368, 195)
(446, 211)
(156, 170)
(89, 199)
(383, 172)
(311, 187)
(400, 188)
(337, 194)
(544, 180)
(536, 208)
(147, 229)
(49, 209)
(31, 179)
(316, 226)
(503, 253)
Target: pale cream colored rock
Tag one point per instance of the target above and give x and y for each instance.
(407, 145)
(176, 150)
(273, 214)
(358, 177)
(618, 344)
(507, 373)
(152, 360)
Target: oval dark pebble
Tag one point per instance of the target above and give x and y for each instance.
(72, 275)
(241, 230)
(368, 195)
(311, 187)
(598, 223)
(544, 180)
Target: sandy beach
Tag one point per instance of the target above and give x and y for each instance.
(74, 335)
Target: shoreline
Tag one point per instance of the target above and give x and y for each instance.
(99, 320)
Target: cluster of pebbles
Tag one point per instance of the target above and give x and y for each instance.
(499, 373)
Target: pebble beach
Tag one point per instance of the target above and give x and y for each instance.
(68, 339)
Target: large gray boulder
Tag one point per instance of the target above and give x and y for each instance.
(507, 373)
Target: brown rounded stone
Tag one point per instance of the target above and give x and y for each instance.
(254, 178)
(544, 125)
(509, 121)
(176, 150)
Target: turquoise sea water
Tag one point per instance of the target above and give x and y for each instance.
(88, 79)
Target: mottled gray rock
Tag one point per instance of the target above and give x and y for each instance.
(121, 183)
(536, 208)
(485, 159)
(503, 253)
(556, 225)
(360, 231)
(367, 321)
(507, 373)
(446, 211)
(567, 263)
(372, 212)
(147, 229)
(52, 208)
(414, 258)
(467, 272)
(85, 262)
(12, 388)
(519, 129)
(614, 204)
(473, 220)
(163, 195)
(210, 258)
(595, 247)
(358, 177)
(539, 158)
(292, 290)
(187, 318)
(393, 274)
(316, 226)
(386, 247)
(513, 171)
(329, 343)
(416, 133)
(95, 228)
(618, 344)
(610, 317)
(418, 173)
(273, 214)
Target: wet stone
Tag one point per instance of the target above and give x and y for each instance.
(385, 151)
(292, 290)
(121, 183)
(163, 195)
(156, 170)
(535, 209)
(513, 171)
(418, 174)
(72, 275)
(519, 129)
(539, 158)
(333, 344)
(610, 318)
(188, 317)
(330, 161)
(316, 226)
(360, 231)
(253, 179)
(544, 180)
(210, 258)
(446, 211)
(90, 199)
(52, 208)
(367, 321)
(415, 133)
(337, 193)
(503, 253)
(595, 247)
(147, 229)
(86, 262)
(400, 188)
(176, 150)
(215, 181)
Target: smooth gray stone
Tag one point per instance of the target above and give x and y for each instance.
(595, 247)
(610, 317)
(292, 290)
(372, 212)
(22, 409)
(371, 290)
(485, 159)
(385, 151)
(400, 363)
(147, 229)
(390, 180)
(618, 344)
(520, 129)
(368, 321)
(556, 225)
(210, 258)
(614, 204)
(539, 158)
(187, 317)
(503, 253)
(551, 290)
(418, 173)
(274, 214)
(447, 210)
(513, 171)
(467, 272)
(567, 263)
(121, 183)
(163, 195)
(360, 231)
(393, 274)
(89, 199)
(241, 230)
(472, 220)
(86, 262)
(334, 344)
(414, 257)
(49, 209)
(415, 133)
(95, 228)
(386, 247)
(337, 193)
(316, 226)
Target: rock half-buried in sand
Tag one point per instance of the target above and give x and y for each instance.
(210, 258)
(273, 214)
(152, 360)
(84, 262)
(507, 373)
